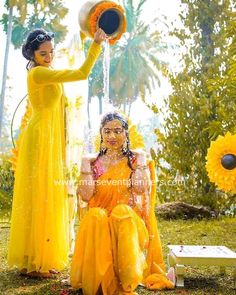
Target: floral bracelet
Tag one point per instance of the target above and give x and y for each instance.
(86, 172)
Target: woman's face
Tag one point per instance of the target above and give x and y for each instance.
(44, 55)
(113, 135)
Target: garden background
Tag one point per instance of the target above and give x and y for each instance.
(176, 66)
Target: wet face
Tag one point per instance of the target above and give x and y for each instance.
(44, 55)
(113, 135)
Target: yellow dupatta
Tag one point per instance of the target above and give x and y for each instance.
(154, 275)
(112, 187)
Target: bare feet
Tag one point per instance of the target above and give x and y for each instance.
(37, 274)
(23, 271)
(54, 271)
(47, 275)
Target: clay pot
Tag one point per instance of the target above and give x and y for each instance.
(106, 15)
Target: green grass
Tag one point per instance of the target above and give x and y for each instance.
(198, 280)
(5, 199)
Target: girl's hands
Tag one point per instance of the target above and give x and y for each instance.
(86, 165)
(100, 36)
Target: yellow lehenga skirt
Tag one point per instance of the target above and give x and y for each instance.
(114, 250)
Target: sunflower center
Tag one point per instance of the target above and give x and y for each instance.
(228, 161)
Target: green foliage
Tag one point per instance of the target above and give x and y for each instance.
(5, 141)
(135, 60)
(202, 104)
(35, 14)
(6, 182)
(231, 211)
(145, 128)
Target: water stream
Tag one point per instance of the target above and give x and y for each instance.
(107, 106)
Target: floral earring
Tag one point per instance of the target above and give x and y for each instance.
(102, 147)
(125, 147)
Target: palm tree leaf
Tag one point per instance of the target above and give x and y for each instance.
(139, 7)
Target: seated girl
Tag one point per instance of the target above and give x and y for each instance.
(118, 246)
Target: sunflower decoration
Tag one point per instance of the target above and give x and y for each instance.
(136, 139)
(221, 162)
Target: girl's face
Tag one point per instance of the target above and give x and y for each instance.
(44, 55)
(113, 135)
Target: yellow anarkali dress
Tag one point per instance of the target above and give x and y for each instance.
(39, 222)
(115, 250)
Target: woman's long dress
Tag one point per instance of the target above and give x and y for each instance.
(114, 250)
(39, 222)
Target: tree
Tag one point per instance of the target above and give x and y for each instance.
(23, 16)
(197, 113)
(4, 76)
(5, 140)
(135, 63)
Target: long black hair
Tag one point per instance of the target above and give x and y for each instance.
(33, 42)
(126, 151)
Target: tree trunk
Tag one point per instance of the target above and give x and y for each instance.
(4, 76)
(207, 26)
(100, 104)
(129, 109)
(124, 107)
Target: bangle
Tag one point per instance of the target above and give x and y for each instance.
(141, 167)
(86, 172)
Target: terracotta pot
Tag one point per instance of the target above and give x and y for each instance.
(106, 15)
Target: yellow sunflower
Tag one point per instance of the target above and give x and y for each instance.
(221, 160)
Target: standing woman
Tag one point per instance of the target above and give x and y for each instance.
(38, 243)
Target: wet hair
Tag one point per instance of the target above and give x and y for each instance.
(33, 42)
(126, 151)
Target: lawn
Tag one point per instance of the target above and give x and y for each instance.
(198, 280)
